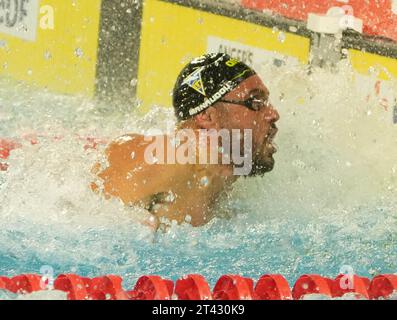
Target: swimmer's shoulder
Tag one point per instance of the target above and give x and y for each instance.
(128, 147)
(130, 151)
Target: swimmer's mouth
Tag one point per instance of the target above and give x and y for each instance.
(269, 141)
(272, 147)
(272, 134)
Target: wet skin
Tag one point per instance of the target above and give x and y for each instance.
(188, 192)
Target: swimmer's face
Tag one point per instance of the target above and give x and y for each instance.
(262, 122)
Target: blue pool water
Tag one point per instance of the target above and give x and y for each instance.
(329, 202)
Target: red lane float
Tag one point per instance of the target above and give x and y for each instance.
(234, 287)
(383, 286)
(311, 284)
(25, 283)
(273, 287)
(107, 288)
(7, 145)
(93, 143)
(193, 287)
(76, 287)
(3, 283)
(351, 284)
(152, 288)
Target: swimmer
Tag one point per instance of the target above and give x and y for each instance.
(213, 93)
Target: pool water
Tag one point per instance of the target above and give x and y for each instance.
(330, 200)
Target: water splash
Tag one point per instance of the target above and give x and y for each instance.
(328, 202)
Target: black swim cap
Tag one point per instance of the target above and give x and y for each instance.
(205, 80)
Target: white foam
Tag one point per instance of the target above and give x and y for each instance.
(39, 295)
(48, 212)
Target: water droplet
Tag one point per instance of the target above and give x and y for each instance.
(176, 142)
(133, 155)
(170, 197)
(78, 52)
(123, 139)
(278, 62)
(204, 181)
(47, 55)
(188, 218)
(281, 37)
(372, 70)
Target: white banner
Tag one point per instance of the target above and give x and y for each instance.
(18, 18)
(252, 56)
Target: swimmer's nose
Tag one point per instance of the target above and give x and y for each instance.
(271, 114)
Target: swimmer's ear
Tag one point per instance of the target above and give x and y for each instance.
(208, 119)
